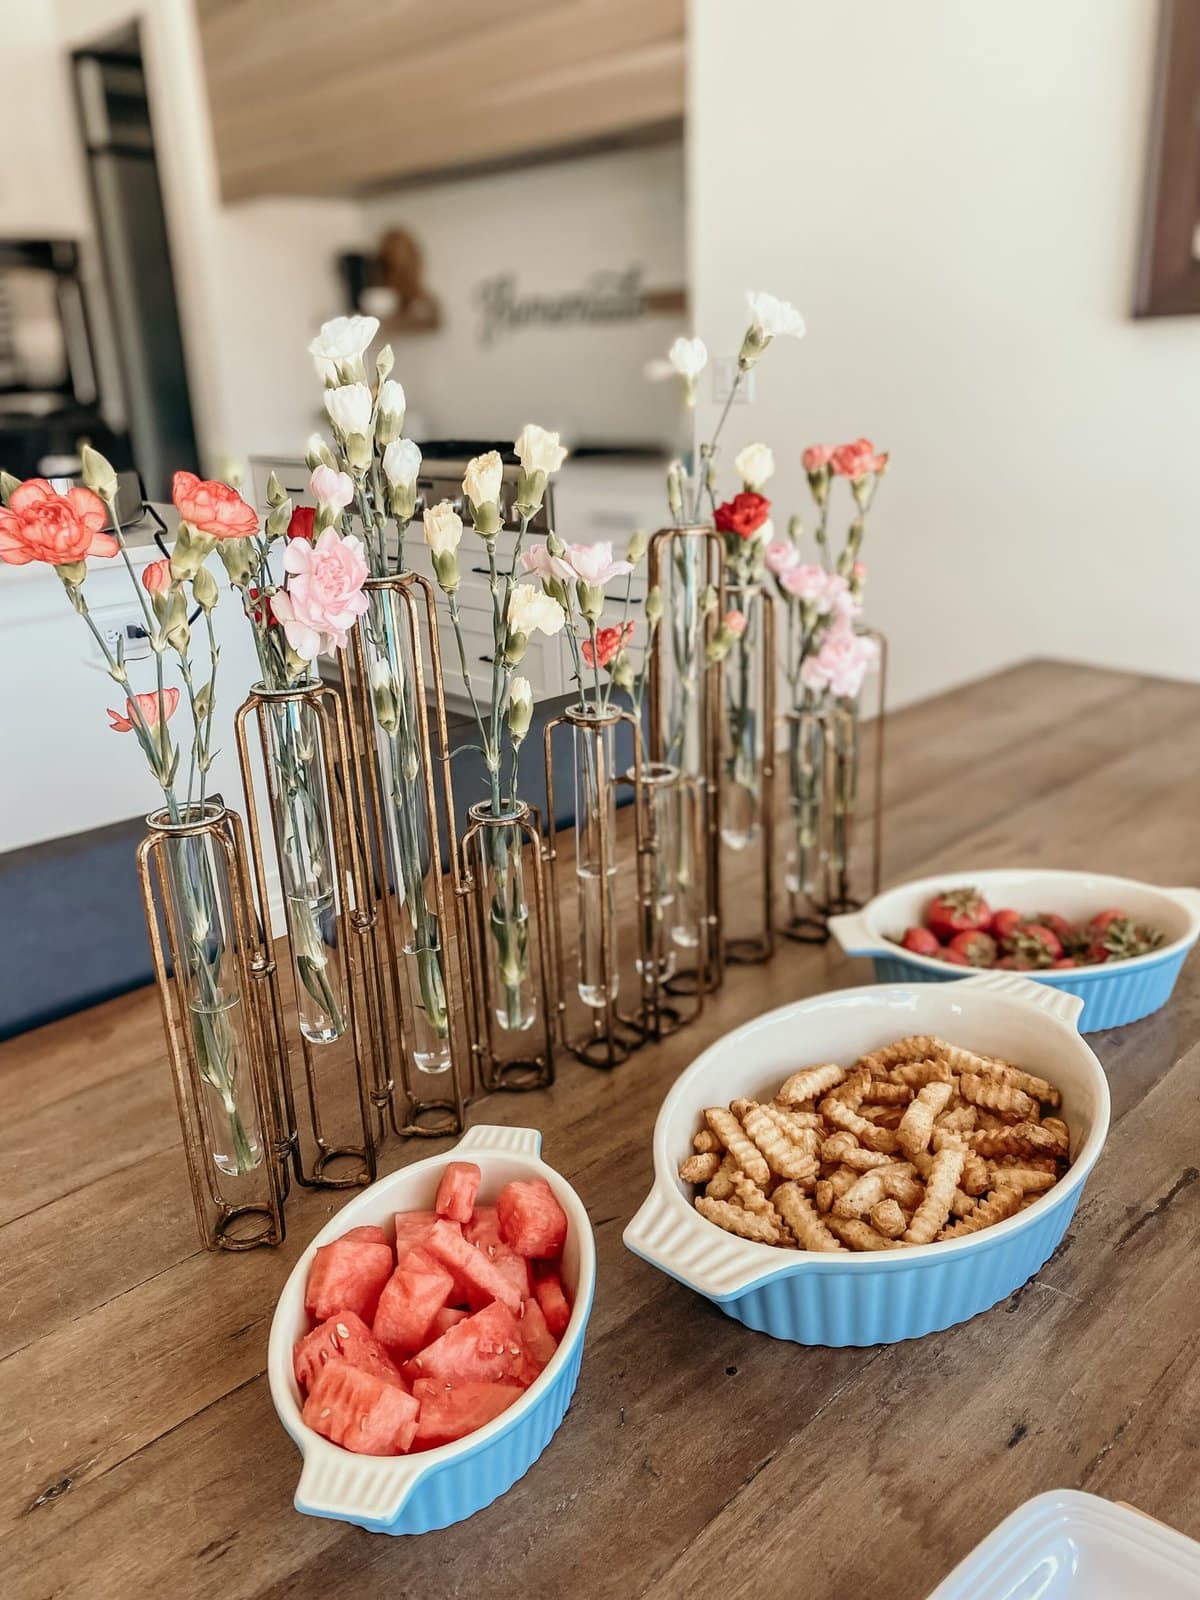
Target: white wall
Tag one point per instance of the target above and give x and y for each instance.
(551, 227)
(951, 194)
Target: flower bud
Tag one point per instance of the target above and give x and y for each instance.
(7, 484)
(639, 543)
(72, 574)
(389, 412)
(622, 672)
(676, 480)
(795, 528)
(654, 606)
(177, 630)
(753, 345)
(555, 545)
(238, 560)
(204, 590)
(515, 646)
(591, 599)
(520, 709)
(278, 518)
(383, 695)
(98, 474)
(276, 493)
(384, 362)
(190, 551)
(318, 454)
(204, 700)
(358, 452)
(708, 601)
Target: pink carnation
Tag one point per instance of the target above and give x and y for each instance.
(842, 662)
(324, 596)
(594, 563)
(857, 460)
(781, 554)
(539, 563)
(735, 623)
(816, 457)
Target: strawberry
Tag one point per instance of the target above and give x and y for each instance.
(1063, 930)
(1063, 963)
(978, 947)
(952, 957)
(957, 911)
(1123, 938)
(1094, 954)
(1015, 963)
(1005, 923)
(1037, 943)
(1099, 923)
(920, 941)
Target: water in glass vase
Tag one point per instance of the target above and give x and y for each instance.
(594, 888)
(513, 999)
(595, 856)
(320, 988)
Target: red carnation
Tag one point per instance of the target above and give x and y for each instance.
(303, 524)
(743, 515)
(609, 642)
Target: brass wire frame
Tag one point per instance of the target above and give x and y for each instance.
(760, 946)
(662, 1015)
(351, 879)
(534, 1071)
(432, 1117)
(614, 1035)
(710, 967)
(811, 926)
(257, 978)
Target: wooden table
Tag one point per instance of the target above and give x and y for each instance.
(140, 1452)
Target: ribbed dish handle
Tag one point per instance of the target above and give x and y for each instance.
(488, 1136)
(680, 1242)
(852, 933)
(352, 1489)
(1054, 1002)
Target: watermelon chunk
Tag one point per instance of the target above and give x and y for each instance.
(446, 1318)
(531, 1220)
(347, 1275)
(412, 1228)
(484, 1348)
(412, 1297)
(539, 1341)
(457, 1190)
(370, 1232)
(471, 1266)
(450, 1410)
(484, 1226)
(551, 1296)
(361, 1411)
(344, 1337)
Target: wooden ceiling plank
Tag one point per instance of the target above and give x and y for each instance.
(643, 88)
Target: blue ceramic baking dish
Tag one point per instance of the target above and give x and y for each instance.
(872, 1298)
(433, 1488)
(1112, 994)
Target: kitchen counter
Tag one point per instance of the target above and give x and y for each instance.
(141, 1452)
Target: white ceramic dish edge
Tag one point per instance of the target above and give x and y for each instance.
(1014, 1557)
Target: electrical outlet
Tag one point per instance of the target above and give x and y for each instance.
(724, 375)
(129, 628)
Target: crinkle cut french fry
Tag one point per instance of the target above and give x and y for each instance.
(864, 1193)
(916, 1074)
(738, 1143)
(883, 1092)
(802, 1218)
(993, 1095)
(1029, 1180)
(931, 1215)
(860, 1235)
(785, 1158)
(700, 1168)
(809, 1083)
(959, 1119)
(867, 1133)
(851, 1089)
(916, 1125)
(1003, 1072)
(706, 1141)
(721, 1186)
(750, 1197)
(888, 1219)
(915, 1047)
(1001, 1203)
(747, 1225)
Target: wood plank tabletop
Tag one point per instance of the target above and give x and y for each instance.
(139, 1451)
